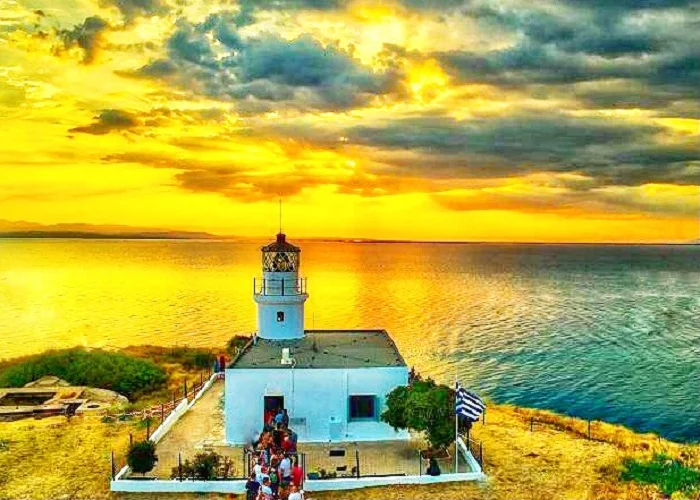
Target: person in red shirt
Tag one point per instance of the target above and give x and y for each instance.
(297, 474)
(288, 445)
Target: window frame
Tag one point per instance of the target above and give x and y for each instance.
(375, 408)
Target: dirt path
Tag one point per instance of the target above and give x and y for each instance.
(200, 428)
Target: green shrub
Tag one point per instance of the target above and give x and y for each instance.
(190, 358)
(235, 344)
(95, 368)
(204, 467)
(423, 406)
(668, 474)
(142, 457)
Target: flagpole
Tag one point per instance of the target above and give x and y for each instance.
(456, 424)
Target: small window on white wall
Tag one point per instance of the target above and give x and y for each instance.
(363, 407)
(280, 316)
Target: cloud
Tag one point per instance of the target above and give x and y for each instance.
(596, 202)
(441, 147)
(268, 72)
(579, 31)
(131, 9)
(88, 35)
(109, 120)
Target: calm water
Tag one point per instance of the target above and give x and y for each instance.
(600, 332)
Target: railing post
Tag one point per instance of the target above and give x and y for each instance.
(483, 417)
(131, 440)
(589, 430)
(162, 413)
(112, 466)
(185, 388)
(148, 428)
(481, 455)
(532, 423)
(357, 463)
(282, 286)
(201, 379)
(254, 288)
(179, 465)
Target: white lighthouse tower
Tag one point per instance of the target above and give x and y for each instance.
(281, 293)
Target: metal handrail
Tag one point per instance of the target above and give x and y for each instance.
(279, 287)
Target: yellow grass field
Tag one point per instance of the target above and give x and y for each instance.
(55, 458)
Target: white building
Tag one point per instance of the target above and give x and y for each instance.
(332, 382)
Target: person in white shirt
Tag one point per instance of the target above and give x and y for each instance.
(258, 469)
(295, 493)
(286, 470)
(265, 492)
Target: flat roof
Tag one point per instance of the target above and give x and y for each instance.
(325, 349)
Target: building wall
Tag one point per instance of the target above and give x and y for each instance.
(314, 394)
(291, 304)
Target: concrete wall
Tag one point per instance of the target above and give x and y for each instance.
(291, 304)
(316, 395)
(293, 308)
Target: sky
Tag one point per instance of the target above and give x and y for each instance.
(490, 120)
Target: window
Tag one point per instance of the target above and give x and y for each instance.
(363, 407)
(280, 316)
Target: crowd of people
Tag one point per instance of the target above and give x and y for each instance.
(275, 470)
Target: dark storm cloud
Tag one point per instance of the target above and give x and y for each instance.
(589, 32)
(88, 36)
(107, 121)
(651, 47)
(132, 9)
(440, 147)
(259, 72)
(631, 4)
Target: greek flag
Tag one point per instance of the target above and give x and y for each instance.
(468, 405)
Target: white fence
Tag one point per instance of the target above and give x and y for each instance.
(238, 486)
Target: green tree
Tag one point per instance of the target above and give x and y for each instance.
(142, 456)
(423, 406)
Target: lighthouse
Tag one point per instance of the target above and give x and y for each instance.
(333, 383)
(281, 292)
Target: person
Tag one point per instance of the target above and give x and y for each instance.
(285, 418)
(251, 487)
(277, 436)
(433, 468)
(286, 469)
(297, 474)
(295, 493)
(265, 492)
(293, 437)
(283, 492)
(279, 417)
(288, 446)
(274, 481)
(258, 470)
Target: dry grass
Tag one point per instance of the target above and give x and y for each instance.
(55, 458)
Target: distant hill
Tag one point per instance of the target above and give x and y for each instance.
(22, 229)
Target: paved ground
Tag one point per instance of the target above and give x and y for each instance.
(202, 429)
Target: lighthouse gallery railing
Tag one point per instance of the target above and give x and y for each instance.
(279, 287)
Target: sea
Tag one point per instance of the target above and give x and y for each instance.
(604, 332)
